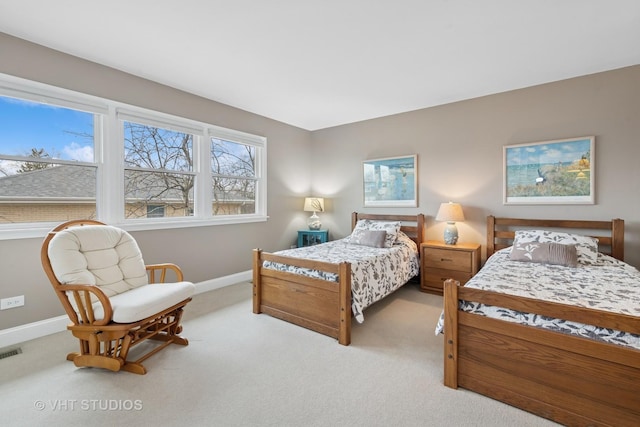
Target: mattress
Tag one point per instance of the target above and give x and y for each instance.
(608, 285)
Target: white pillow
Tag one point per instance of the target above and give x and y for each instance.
(586, 247)
(391, 227)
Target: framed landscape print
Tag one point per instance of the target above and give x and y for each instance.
(550, 172)
(391, 182)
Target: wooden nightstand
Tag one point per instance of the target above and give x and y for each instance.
(312, 237)
(439, 262)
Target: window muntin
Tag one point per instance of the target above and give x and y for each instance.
(48, 171)
(233, 174)
(159, 167)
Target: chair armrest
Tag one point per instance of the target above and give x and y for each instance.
(162, 269)
(84, 305)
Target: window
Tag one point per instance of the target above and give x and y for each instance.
(233, 175)
(65, 155)
(159, 171)
(47, 165)
(155, 211)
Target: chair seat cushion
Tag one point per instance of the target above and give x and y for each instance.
(145, 301)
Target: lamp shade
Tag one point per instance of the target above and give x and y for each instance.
(450, 212)
(314, 204)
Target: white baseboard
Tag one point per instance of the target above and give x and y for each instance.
(30, 331)
(221, 282)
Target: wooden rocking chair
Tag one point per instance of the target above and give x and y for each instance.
(112, 298)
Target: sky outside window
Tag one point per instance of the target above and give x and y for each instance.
(63, 133)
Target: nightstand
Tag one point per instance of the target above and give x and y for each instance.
(439, 262)
(312, 237)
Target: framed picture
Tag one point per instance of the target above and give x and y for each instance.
(391, 182)
(550, 172)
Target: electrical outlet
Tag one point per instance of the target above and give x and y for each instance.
(13, 302)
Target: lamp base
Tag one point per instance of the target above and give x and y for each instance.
(314, 222)
(451, 234)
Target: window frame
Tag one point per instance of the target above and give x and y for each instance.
(109, 158)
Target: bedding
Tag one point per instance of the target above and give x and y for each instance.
(603, 283)
(375, 272)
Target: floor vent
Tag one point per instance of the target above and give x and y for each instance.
(10, 353)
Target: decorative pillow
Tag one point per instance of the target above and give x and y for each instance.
(586, 247)
(391, 227)
(373, 238)
(545, 253)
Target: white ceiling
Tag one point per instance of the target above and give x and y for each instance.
(321, 63)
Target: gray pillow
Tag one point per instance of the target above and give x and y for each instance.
(586, 247)
(545, 253)
(373, 238)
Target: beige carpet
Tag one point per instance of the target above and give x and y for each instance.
(242, 369)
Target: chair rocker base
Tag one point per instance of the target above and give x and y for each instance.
(92, 361)
(108, 346)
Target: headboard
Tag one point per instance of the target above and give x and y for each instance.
(412, 225)
(610, 234)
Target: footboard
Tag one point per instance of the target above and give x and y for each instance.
(571, 380)
(320, 305)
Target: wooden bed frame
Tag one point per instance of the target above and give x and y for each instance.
(571, 380)
(320, 305)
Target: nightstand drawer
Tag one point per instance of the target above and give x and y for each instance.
(439, 262)
(448, 259)
(435, 277)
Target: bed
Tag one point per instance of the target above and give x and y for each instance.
(322, 287)
(554, 373)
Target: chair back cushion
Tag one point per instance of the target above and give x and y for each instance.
(99, 255)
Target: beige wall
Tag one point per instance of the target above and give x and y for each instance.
(203, 252)
(459, 149)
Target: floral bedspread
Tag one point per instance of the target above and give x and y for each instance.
(375, 272)
(609, 285)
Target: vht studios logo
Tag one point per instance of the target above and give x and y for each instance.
(89, 405)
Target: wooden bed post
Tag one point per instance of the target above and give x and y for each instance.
(451, 333)
(491, 235)
(344, 329)
(420, 230)
(257, 285)
(617, 238)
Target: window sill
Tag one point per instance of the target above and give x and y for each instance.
(32, 231)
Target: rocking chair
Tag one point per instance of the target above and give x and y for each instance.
(112, 298)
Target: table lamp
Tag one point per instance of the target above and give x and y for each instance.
(314, 204)
(451, 213)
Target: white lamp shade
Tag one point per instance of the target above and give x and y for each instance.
(450, 212)
(314, 204)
